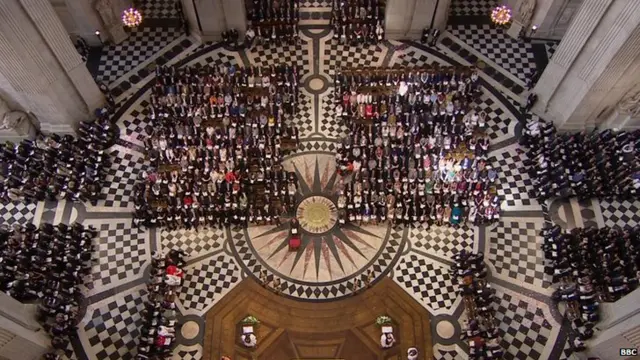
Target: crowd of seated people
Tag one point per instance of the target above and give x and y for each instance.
(591, 266)
(358, 22)
(54, 168)
(47, 265)
(272, 22)
(413, 153)
(586, 165)
(481, 329)
(159, 317)
(215, 152)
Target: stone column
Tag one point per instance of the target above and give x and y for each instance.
(618, 327)
(41, 72)
(22, 336)
(590, 67)
(209, 18)
(111, 14)
(405, 19)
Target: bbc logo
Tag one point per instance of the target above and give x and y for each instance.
(628, 352)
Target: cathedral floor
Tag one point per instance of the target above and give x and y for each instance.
(223, 263)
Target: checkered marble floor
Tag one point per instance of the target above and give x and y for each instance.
(142, 43)
(290, 54)
(427, 281)
(330, 125)
(114, 328)
(412, 58)
(207, 282)
(442, 241)
(494, 43)
(120, 251)
(551, 48)
(524, 328)
(472, 7)
(620, 213)
(15, 212)
(514, 186)
(136, 125)
(159, 9)
(340, 56)
(321, 3)
(515, 250)
(126, 165)
(193, 243)
(500, 122)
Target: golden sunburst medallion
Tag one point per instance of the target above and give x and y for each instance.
(317, 214)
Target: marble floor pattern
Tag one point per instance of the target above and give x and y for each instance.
(417, 259)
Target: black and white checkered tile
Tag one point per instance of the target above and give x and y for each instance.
(189, 355)
(316, 3)
(443, 241)
(317, 146)
(126, 164)
(304, 119)
(514, 186)
(278, 55)
(159, 9)
(113, 330)
(121, 250)
(330, 125)
(135, 124)
(622, 214)
(219, 57)
(513, 56)
(427, 281)
(566, 351)
(446, 355)
(551, 48)
(524, 330)
(208, 281)
(142, 43)
(499, 118)
(472, 7)
(69, 352)
(515, 250)
(412, 58)
(193, 243)
(340, 56)
(317, 291)
(15, 212)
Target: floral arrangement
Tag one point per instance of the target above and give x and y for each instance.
(383, 320)
(250, 320)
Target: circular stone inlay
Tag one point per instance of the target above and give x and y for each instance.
(316, 84)
(190, 330)
(317, 214)
(445, 329)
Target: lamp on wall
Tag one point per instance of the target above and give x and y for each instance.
(501, 15)
(131, 17)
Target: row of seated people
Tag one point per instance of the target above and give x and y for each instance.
(196, 211)
(222, 86)
(159, 317)
(53, 168)
(584, 164)
(481, 330)
(591, 265)
(410, 210)
(410, 85)
(357, 22)
(277, 35)
(276, 12)
(429, 160)
(48, 264)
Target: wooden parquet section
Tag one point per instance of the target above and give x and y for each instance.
(292, 329)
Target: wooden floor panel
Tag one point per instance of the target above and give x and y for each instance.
(290, 329)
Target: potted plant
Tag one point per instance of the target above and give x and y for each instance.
(384, 320)
(250, 320)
